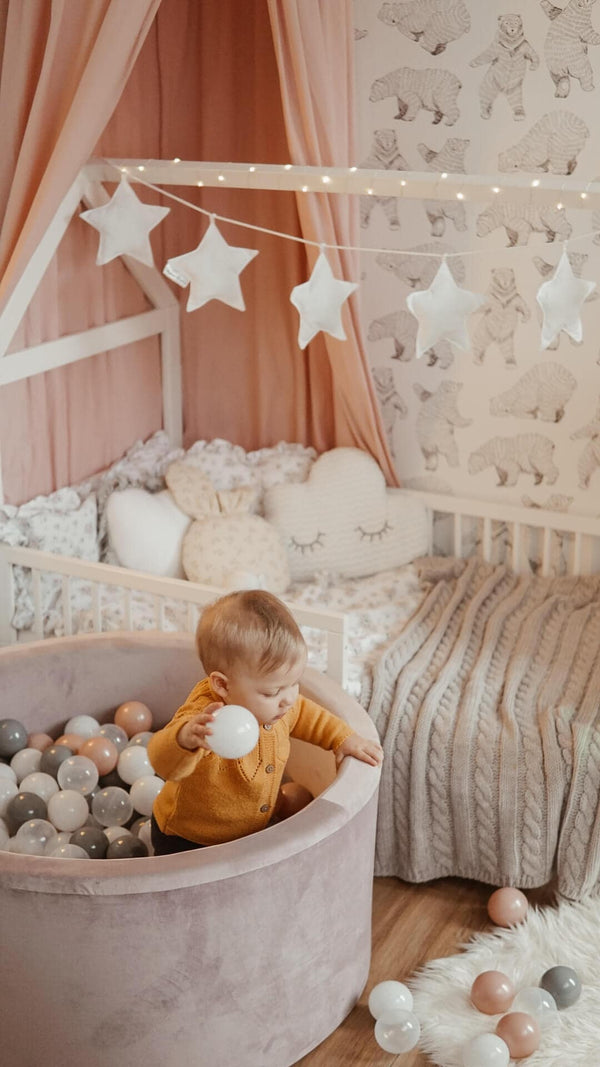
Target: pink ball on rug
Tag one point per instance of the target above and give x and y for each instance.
(492, 992)
(507, 906)
(521, 1033)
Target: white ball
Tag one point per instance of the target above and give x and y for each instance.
(234, 732)
(36, 837)
(84, 725)
(389, 996)
(6, 771)
(43, 785)
(25, 762)
(133, 763)
(115, 831)
(8, 790)
(144, 792)
(4, 835)
(78, 772)
(70, 852)
(486, 1050)
(534, 1000)
(68, 810)
(397, 1031)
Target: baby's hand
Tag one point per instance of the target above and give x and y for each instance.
(359, 747)
(194, 732)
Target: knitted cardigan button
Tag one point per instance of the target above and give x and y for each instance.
(269, 768)
(264, 807)
(268, 726)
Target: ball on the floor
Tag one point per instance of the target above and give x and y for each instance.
(292, 798)
(234, 732)
(486, 1050)
(507, 906)
(492, 992)
(563, 984)
(389, 996)
(133, 717)
(521, 1032)
(397, 1031)
(537, 1002)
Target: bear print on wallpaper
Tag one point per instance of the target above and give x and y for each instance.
(589, 460)
(401, 327)
(566, 44)
(437, 419)
(527, 453)
(432, 23)
(430, 89)
(552, 144)
(418, 271)
(521, 220)
(541, 393)
(508, 55)
(384, 155)
(500, 316)
(391, 403)
(450, 158)
(554, 502)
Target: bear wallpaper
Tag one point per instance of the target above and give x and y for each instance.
(461, 86)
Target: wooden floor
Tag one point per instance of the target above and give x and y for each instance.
(411, 924)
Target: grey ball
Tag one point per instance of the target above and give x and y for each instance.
(563, 983)
(13, 737)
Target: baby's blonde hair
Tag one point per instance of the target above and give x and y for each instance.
(250, 627)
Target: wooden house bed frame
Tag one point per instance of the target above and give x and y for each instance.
(579, 535)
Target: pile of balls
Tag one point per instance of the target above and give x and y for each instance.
(87, 794)
(524, 1013)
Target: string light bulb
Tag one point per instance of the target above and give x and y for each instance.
(535, 183)
(326, 179)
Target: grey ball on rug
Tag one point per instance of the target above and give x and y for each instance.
(568, 934)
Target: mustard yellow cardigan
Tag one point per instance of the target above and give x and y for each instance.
(209, 799)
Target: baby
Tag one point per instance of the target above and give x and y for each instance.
(254, 655)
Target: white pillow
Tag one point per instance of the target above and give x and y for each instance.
(344, 519)
(146, 531)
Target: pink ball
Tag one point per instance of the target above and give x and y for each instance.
(492, 992)
(72, 741)
(133, 717)
(39, 741)
(521, 1033)
(507, 906)
(101, 751)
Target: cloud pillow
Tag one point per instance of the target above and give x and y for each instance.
(344, 519)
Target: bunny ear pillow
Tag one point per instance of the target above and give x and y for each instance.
(191, 530)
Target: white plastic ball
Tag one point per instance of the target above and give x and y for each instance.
(144, 792)
(4, 835)
(133, 764)
(6, 771)
(70, 852)
(116, 734)
(8, 790)
(141, 738)
(64, 837)
(35, 837)
(79, 773)
(389, 996)
(486, 1050)
(67, 810)
(234, 732)
(398, 1031)
(43, 785)
(145, 835)
(25, 762)
(115, 831)
(84, 725)
(112, 806)
(533, 1000)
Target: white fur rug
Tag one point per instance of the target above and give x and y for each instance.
(568, 934)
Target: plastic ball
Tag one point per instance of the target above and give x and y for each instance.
(72, 741)
(141, 738)
(133, 717)
(53, 757)
(116, 734)
(133, 764)
(144, 792)
(36, 837)
(397, 1031)
(563, 984)
(102, 751)
(521, 1032)
(507, 906)
(23, 807)
(8, 790)
(127, 846)
(43, 785)
(67, 810)
(113, 778)
(112, 806)
(38, 740)
(145, 835)
(93, 840)
(85, 725)
(70, 852)
(113, 832)
(234, 732)
(389, 996)
(78, 773)
(486, 1050)
(25, 762)
(537, 1002)
(292, 798)
(7, 772)
(4, 835)
(13, 737)
(492, 992)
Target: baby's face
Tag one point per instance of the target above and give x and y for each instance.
(267, 696)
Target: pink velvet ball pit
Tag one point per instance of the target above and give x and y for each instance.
(250, 952)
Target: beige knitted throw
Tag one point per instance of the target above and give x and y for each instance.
(488, 706)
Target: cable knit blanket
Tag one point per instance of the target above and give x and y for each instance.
(488, 706)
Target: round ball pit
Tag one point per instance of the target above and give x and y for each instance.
(250, 952)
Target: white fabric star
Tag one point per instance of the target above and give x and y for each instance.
(561, 300)
(124, 224)
(441, 311)
(319, 301)
(211, 270)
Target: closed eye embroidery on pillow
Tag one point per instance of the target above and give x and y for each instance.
(374, 535)
(308, 546)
